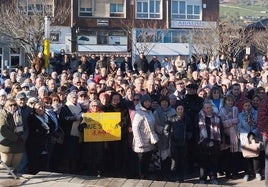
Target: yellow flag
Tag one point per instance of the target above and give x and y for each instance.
(46, 52)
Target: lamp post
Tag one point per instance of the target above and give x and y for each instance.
(46, 41)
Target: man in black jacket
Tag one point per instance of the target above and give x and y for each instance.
(192, 106)
(141, 64)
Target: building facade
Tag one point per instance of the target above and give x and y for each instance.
(121, 27)
(155, 27)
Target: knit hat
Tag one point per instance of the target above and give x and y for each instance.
(144, 98)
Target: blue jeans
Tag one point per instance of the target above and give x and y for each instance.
(23, 164)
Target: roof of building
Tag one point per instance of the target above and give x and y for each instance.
(260, 25)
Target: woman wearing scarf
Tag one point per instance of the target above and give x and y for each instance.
(248, 123)
(11, 127)
(161, 115)
(40, 127)
(70, 117)
(209, 143)
(55, 135)
(230, 146)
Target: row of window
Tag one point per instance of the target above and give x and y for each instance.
(102, 38)
(163, 36)
(142, 36)
(33, 7)
(145, 9)
(14, 58)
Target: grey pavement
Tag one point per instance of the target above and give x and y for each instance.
(47, 179)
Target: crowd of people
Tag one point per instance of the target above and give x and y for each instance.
(202, 112)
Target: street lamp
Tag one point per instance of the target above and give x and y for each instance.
(46, 41)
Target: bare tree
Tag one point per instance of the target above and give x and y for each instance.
(145, 36)
(226, 38)
(23, 23)
(260, 40)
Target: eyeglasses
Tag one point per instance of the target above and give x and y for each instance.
(83, 95)
(78, 82)
(12, 105)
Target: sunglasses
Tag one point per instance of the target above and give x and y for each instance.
(12, 105)
(136, 99)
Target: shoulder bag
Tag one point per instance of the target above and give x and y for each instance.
(153, 136)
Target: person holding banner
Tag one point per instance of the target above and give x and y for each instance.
(118, 150)
(93, 152)
(141, 135)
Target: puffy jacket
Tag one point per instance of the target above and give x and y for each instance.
(141, 135)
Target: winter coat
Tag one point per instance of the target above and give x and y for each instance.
(244, 126)
(179, 130)
(8, 138)
(142, 64)
(141, 135)
(262, 121)
(215, 127)
(161, 116)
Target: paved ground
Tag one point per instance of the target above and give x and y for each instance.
(46, 179)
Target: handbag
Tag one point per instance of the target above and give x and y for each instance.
(251, 149)
(153, 136)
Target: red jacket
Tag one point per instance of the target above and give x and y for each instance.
(262, 119)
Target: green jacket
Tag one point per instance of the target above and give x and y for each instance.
(8, 138)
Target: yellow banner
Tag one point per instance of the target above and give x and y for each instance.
(46, 52)
(102, 126)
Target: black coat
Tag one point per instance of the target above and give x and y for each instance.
(192, 106)
(153, 65)
(142, 64)
(38, 136)
(180, 130)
